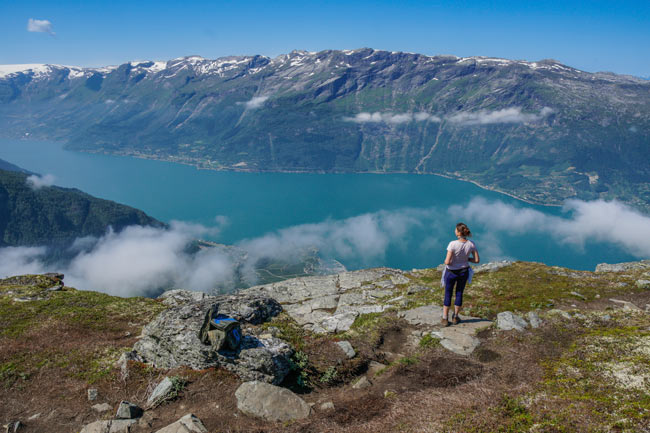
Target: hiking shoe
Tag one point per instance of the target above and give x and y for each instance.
(456, 320)
(444, 322)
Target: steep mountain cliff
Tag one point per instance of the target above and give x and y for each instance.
(540, 130)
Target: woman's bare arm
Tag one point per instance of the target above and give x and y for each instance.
(448, 258)
(474, 258)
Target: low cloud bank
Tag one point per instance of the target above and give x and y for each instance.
(392, 118)
(37, 182)
(507, 115)
(598, 221)
(142, 260)
(40, 26)
(464, 118)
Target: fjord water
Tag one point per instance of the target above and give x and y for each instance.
(255, 204)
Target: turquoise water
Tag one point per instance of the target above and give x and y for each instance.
(255, 204)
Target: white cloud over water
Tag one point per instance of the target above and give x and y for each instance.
(40, 26)
(141, 260)
(37, 182)
(598, 221)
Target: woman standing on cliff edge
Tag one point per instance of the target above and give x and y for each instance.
(457, 271)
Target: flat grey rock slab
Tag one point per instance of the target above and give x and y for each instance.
(270, 402)
(427, 315)
(625, 304)
(161, 391)
(110, 426)
(643, 284)
(508, 320)
(188, 424)
(461, 339)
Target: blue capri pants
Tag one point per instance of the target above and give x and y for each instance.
(457, 277)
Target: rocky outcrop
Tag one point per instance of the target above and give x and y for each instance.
(328, 304)
(269, 402)
(172, 338)
(622, 267)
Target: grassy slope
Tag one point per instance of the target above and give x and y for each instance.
(591, 373)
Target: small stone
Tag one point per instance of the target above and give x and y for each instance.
(13, 426)
(533, 318)
(597, 296)
(102, 407)
(507, 320)
(562, 313)
(33, 417)
(188, 424)
(128, 410)
(578, 295)
(606, 317)
(643, 284)
(362, 383)
(347, 348)
(328, 405)
(110, 426)
(92, 394)
(626, 304)
(375, 367)
(161, 391)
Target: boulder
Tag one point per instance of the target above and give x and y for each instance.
(188, 424)
(508, 320)
(92, 394)
(270, 402)
(175, 297)
(172, 339)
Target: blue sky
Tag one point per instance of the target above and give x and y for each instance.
(591, 35)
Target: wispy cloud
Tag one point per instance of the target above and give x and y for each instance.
(37, 182)
(39, 26)
(506, 115)
(142, 260)
(392, 118)
(256, 102)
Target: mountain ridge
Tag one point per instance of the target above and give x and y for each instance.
(540, 131)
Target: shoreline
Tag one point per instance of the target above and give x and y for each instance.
(202, 166)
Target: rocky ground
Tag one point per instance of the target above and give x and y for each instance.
(539, 349)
